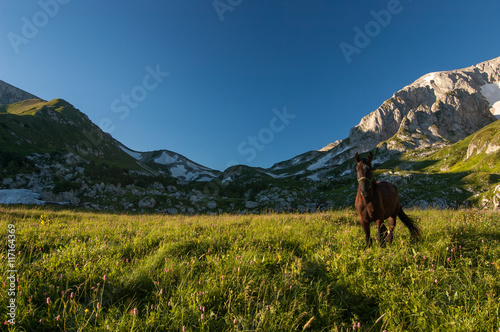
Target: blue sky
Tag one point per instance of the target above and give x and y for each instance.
(236, 81)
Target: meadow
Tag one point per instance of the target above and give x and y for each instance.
(87, 271)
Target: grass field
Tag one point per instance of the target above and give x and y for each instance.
(274, 272)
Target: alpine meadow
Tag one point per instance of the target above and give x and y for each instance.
(88, 271)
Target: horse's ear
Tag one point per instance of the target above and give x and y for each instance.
(370, 157)
(357, 158)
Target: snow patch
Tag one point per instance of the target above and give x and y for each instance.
(276, 176)
(228, 179)
(346, 172)
(166, 159)
(314, 177)
(205, 179)
(296, 161)
(320, 163)
(181, 171)
(133, 154)
(492, 93)
(19, 196)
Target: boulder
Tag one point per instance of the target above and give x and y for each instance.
(147, 203)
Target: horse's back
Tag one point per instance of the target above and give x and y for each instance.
(388, 194)
(387, 188)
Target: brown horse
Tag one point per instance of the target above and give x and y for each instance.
(377, 201)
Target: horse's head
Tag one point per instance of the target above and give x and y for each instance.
(365, 176)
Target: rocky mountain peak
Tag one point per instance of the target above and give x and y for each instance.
(440, 107)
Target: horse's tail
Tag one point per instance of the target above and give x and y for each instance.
(412, 225)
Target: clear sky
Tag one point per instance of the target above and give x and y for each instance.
(227, 82)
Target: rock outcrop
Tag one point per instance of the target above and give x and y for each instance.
(9, 94)
(438, 108)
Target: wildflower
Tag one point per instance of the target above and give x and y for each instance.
(48, 300)
(202, 316)
(72, 295)
(161, 291)
(183, 328)
(86, 311)
(234, 321)
(58, 317)
(436, 281)
(98, 305)
(104, 277)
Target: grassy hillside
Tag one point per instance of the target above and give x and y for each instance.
(289, 272)
(56, 126)
(455, 158)
(465, 173)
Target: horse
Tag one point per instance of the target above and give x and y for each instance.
(377, 201)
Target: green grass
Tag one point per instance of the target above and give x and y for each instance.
(272, 272)
(25, 107)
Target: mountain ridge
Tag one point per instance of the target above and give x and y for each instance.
(438, 108)
(55, 150)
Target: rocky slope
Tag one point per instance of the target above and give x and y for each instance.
(9, 94)
(437, 109)
(173, 164)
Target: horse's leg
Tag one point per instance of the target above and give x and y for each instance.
(382, 232)
(392, 225)
(366, 227)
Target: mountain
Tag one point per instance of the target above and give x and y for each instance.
(173, 164)
(465, 173)
(437, 139)
(436, 110)
(9, 94)
(55, 150)
(35, 125)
